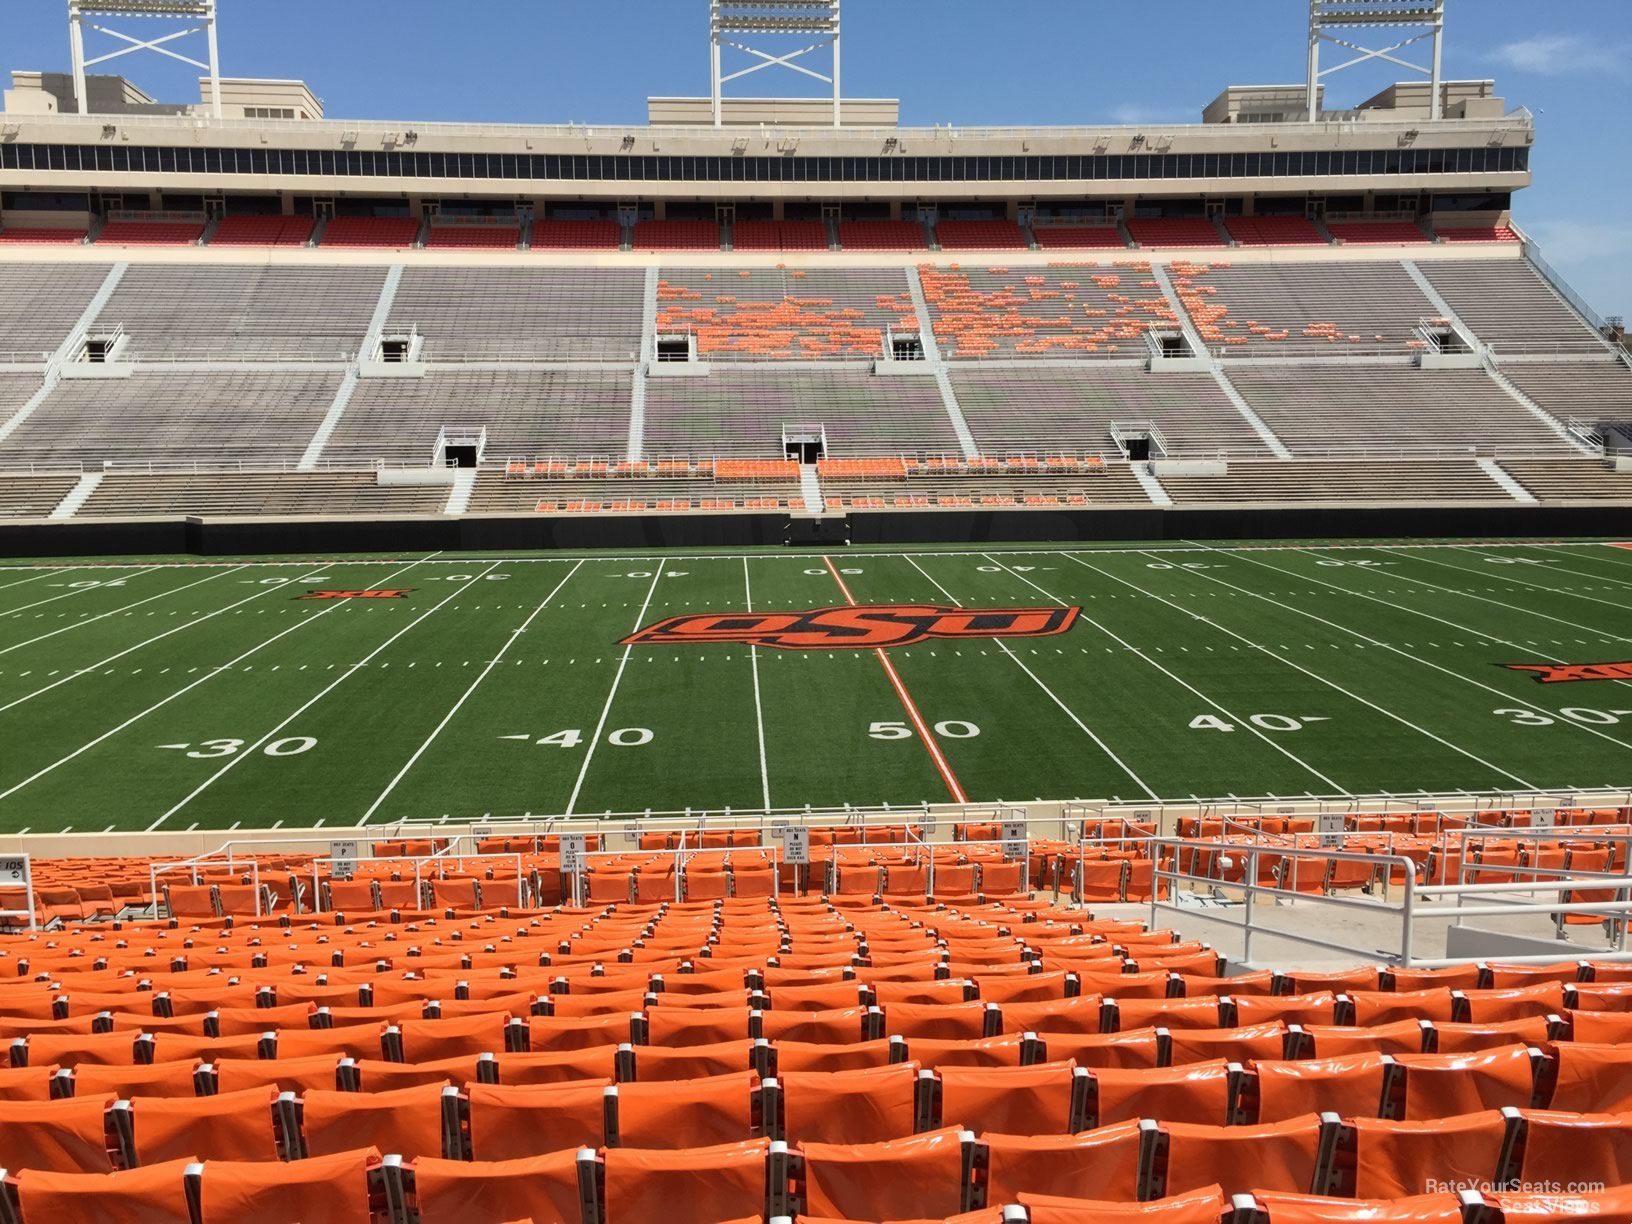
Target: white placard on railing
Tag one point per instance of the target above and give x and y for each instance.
(796, 845)
(1543, 818)
(572, 852)
(1014, 839)
(1330, 827)
(343, 856)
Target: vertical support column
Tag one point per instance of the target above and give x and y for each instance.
(76, 44)
(1313, 97)
(837, 120)
(215, 63)
(714, 74)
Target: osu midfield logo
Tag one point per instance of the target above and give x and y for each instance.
(1559, 673)
(398, 594)
(855, 628)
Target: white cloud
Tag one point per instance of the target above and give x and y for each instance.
(1566, 241)
(1561, 54)
(1129, 112)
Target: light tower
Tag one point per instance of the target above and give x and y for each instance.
(734, 20)
(197, 16)
(1344, 22)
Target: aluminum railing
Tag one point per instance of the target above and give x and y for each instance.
(1388, 871)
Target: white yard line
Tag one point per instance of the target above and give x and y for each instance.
(1313, 675)
(115, 612)
(40, 603)
(1050, 693)
(857, 555)
(207, 676)
(1607, 554)
(465, 696)
(759, 709)
(1449, 624)
(245, 753)
(1245, 724)
(1551, 569)
(600, 727)
(1395, 650)
(1504, 577)
(25, 581)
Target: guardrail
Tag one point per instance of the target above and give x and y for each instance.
(1241, 871)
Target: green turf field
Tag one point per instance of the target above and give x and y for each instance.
(212, 694)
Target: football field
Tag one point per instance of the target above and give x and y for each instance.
(291, 692)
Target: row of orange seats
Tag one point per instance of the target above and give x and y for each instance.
(1174, 1174)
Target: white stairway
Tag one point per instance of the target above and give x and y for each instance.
(812, 488)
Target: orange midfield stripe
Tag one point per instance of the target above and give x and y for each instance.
(953, 786)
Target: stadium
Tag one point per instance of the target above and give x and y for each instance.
(778, 665)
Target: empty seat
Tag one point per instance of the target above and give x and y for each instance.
(1102, 1164)
(866, 1106)
(1401, 1159)
(1350, 1086)
(687, 1113)
(1198, 1093)
(536, 1188)
(925, 1176)
(1032, 1100)
(406, 1122)
(1592, 1078)
(334, 1189)
(1274, 1156)
(511, 1122)
(1444, 1085)
(230, 1126)
(149, 1195)
(57, 1136)
(1563, 1148)
(697, 1186)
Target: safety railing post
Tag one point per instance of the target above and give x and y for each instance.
(1249, 905)
(1408, 907)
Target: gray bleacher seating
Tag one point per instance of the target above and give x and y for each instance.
(1349, 406)
(1303, 309)
(283, 494)
(243, 313)
(33, 496)
(740, 411)
(40, 303)
(527, 414)
(163, 417)
(1394, 481)
(522, 314)
(1510, 307)
(1600, 390)
(1071, 409)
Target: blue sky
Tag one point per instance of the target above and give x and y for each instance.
(544, 61)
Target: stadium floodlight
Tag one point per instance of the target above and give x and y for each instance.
(1341, 22)
(199, 12)
(733, 20)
